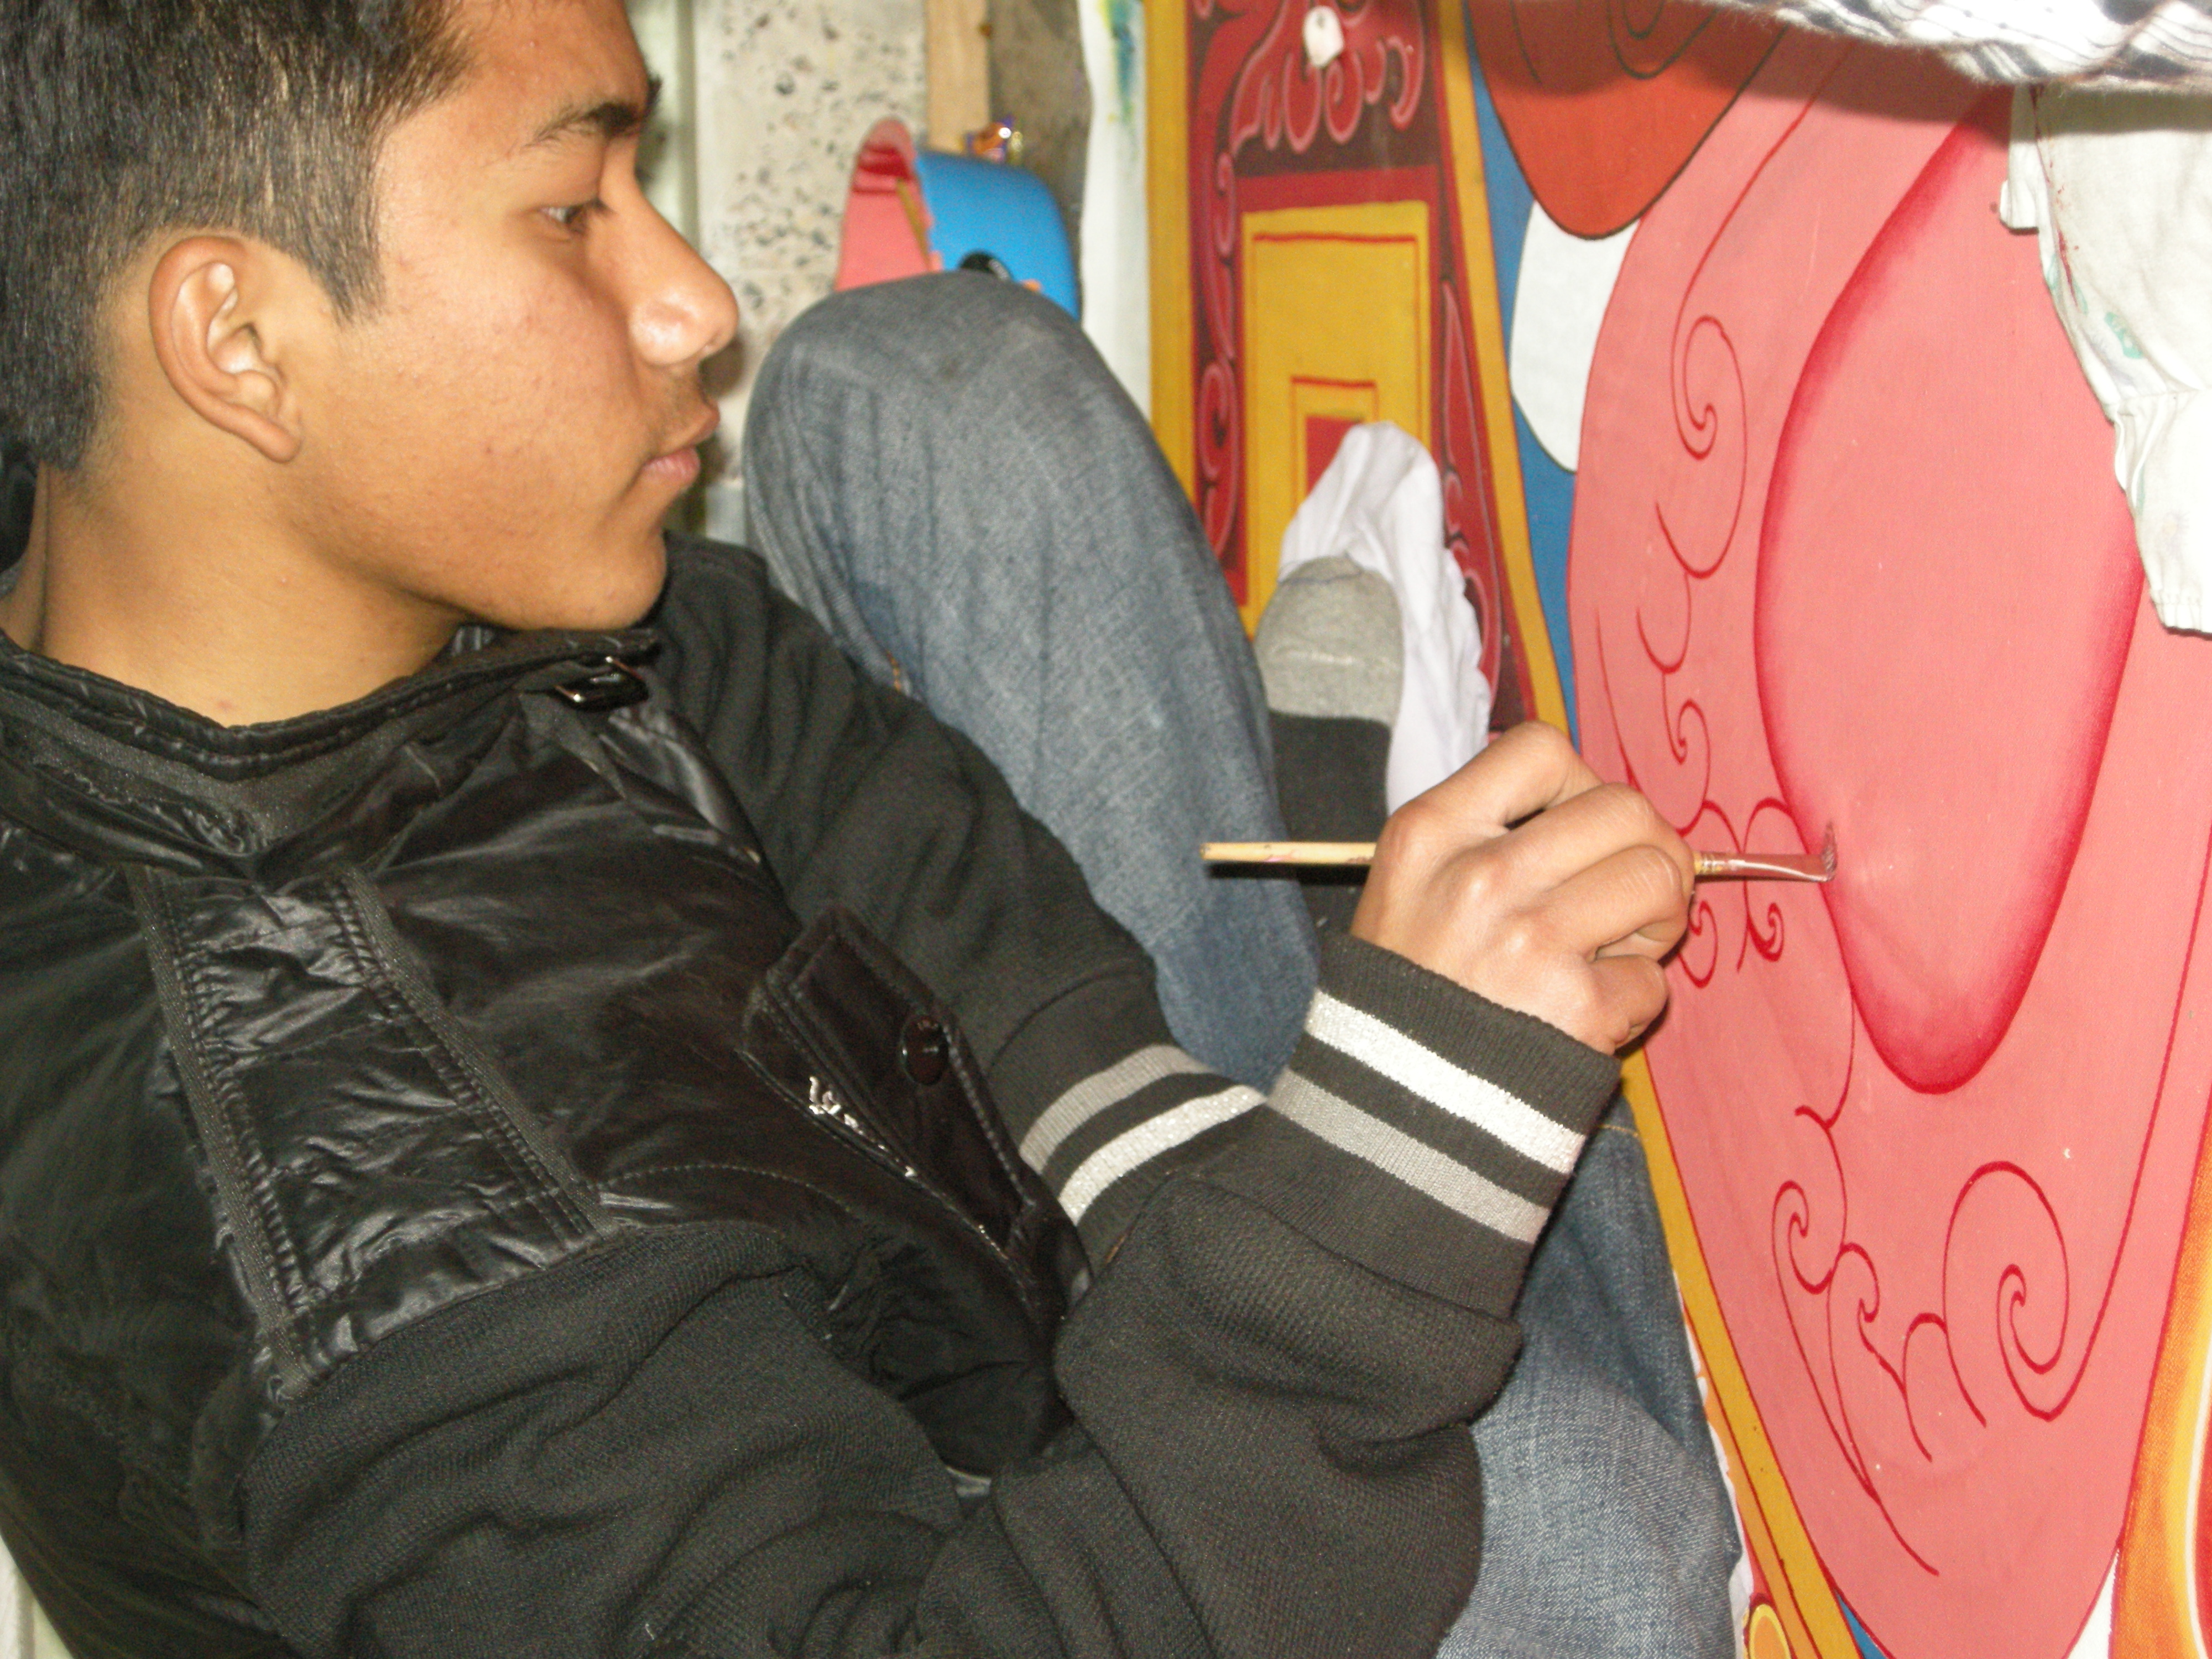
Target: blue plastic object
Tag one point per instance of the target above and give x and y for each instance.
(1001, 213)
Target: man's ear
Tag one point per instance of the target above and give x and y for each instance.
(222, 311)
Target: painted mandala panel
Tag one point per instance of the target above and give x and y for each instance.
(1848, 552)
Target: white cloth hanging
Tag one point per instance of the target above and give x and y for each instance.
(2144, 43)
(1381, 504)
(2118, 188)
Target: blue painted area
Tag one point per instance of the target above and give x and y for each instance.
(1549, 486)
(1550, 489)
(987, 207)
(1867, 1646)
(1509, 198)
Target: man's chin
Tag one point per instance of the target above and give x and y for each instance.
(627, 605)
(620, 595)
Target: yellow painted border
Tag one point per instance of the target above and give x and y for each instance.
(2153, 1603)
(1478, 262)
(1803, 1598)
(1296, 323)
(1167, 190)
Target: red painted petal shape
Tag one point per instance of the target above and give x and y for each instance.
(1927, 543)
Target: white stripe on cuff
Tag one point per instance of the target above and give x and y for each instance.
(1411, 1064)
(1086, 1099)
(1421, 1167)
(1154, 1136)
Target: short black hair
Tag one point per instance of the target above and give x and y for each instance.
(123, 118)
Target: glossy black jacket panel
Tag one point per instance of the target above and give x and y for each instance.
(319, 1029)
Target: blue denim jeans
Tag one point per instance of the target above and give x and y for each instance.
(944, 471)
(1607, 1529)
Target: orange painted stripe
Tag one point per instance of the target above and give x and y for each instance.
(1795, 1578)
(1167, 190)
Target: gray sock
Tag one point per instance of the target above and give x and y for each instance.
(1328, 643)
(1331, 657)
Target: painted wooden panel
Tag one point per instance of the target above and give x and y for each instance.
(1335, 302)
(1243, 125)
(1836, 543)
(1858, 560)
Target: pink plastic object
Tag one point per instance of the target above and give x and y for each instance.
(886, 225)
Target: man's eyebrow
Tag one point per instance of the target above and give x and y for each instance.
(605, 118)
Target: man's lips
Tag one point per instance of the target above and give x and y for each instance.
(680, 465)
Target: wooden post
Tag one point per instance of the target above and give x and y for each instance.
(956, 44)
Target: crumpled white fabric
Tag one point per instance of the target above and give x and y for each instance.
(1381, 504)
(2118, 188)
(24, 1631)
(2142, 43)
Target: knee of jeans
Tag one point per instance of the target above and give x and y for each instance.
(950, 339)
(1020, 335)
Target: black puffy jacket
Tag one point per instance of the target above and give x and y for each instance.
(313, 974)
(467, 1187)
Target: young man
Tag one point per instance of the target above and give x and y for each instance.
(468, 1182)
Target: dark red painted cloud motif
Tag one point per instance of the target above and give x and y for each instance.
(1604, 100)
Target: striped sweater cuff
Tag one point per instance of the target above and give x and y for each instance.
(1104, 1135)
(1420, 1129)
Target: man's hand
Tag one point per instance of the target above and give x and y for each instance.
(1527, 880)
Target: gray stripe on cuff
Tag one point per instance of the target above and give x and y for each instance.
(1413, 1067)
(1085, 1100)
(1154, 1136)
(1396, 1154)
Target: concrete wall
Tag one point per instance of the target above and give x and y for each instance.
(767, 101)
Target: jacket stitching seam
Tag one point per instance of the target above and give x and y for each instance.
(231, 1113)
(458, 1078)
(267, 1299)
(561, 1209)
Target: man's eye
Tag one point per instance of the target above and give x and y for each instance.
(574, 216)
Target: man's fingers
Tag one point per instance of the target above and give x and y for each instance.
(1632, 902)
(1583, 832)
(1522, 771)
(1525, 879)
(1629, 993)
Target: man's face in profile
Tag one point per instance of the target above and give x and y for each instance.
(503, 432)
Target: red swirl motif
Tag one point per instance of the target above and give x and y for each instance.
(1253, 92)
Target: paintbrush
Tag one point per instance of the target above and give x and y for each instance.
(1711, 866)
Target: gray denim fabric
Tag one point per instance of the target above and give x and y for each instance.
(944, 471)
(1607, 1529)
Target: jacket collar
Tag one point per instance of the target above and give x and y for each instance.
(121, 776)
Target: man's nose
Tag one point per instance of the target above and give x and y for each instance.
(684, 312)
